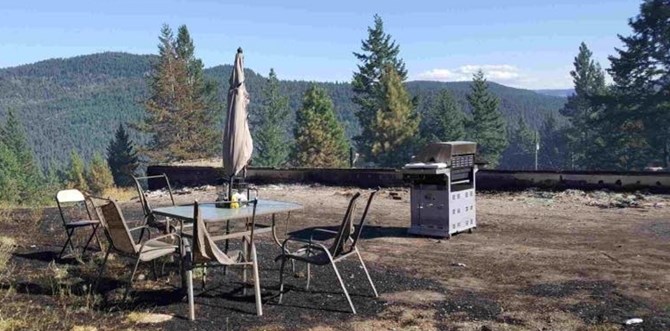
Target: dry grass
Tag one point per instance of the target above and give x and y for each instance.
(16, 314)
(6, 215)
(7, 245)
(121, 194)
(147, 318)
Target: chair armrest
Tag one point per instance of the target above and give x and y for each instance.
(308, 243)
(161, 237)
(142, 227)
(139, 227)
(324, 230)
(172, 234)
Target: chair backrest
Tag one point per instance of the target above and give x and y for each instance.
(345, 231)
(361, 223)
(71, 196)
(146, 206)
(115, 227)
(204, 248)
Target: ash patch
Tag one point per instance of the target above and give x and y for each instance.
(659, 229)
(617, 308)
(474, 306)
(604, 305)
(225, 307)
(560, 290)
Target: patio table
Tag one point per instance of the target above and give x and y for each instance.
(213, 214)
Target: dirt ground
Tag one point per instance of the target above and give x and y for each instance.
(537, 261)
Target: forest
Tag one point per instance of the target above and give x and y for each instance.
(78, 103)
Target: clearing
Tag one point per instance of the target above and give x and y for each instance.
(537, 261)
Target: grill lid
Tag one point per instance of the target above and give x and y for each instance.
(444, 152)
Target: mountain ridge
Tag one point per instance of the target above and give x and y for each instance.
(78, 102)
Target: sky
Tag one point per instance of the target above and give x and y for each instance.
(519, 43)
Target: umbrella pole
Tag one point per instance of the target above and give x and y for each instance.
(230, 189)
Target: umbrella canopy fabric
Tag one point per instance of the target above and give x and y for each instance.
(237, 142)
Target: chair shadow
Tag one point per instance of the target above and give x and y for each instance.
(369, 232)
(47, 256)
(300, 292)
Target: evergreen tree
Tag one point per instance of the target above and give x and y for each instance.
(76, 175)
(122, 158)
(396, 124)
(181, 106)
(29, 177)
(640, 107)
(270, 126)
(443, 120)
(553, 148)
(319, 137)
(52, 177)
(11, 176)
(583, 111)
(487, 126)
(378, 51)
(98, 176)
(520, 153)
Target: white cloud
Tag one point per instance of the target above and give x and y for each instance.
(503, 73)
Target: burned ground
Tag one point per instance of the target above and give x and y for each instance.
(537, 260)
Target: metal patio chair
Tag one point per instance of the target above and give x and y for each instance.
(343, 246)
(71, 200)
(122, 242)
(203, 252)
(149, 217)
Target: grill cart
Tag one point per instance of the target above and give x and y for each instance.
(442, 180)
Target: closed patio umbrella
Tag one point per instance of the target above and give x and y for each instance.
(237, 142)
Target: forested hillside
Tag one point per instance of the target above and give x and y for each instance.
(79, 102)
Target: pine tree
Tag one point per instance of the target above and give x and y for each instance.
(181, 106)
(76, 175)
(487, 127)
(52, 177)
(122, 158)
(319, 137)
(98, 176)
(641, 103)
(378, 51)
(443, 120)
(583, 110)
(520, 153)
(396, 124)
(270, 127)
(29, 177)
(553, 148)
(10, 176)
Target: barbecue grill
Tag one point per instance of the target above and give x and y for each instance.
(442, 180)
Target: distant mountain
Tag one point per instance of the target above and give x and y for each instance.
(78, 102)
(557, 92)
